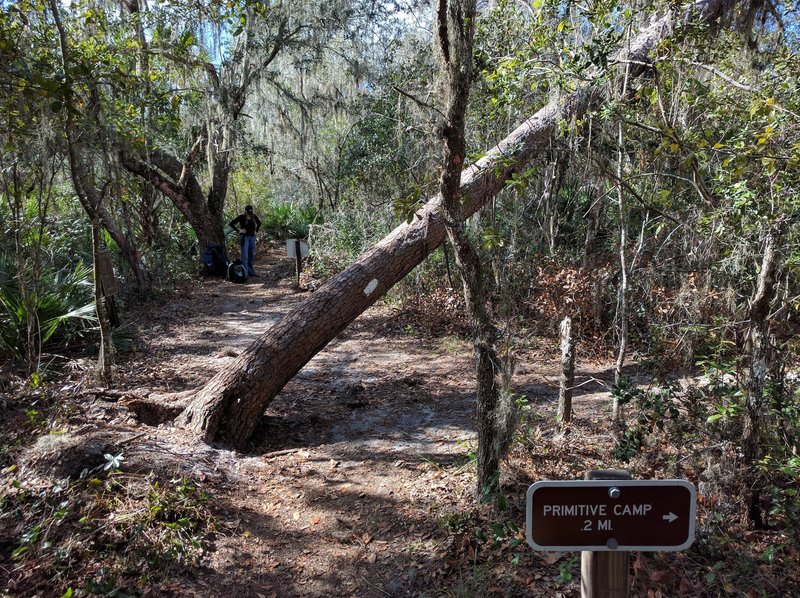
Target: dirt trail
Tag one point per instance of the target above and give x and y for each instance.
(359, 480)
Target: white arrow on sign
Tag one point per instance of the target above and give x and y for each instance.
(671, 517)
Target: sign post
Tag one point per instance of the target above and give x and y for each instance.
(105, 271)
(610, 513)
(298, 249)
(605, 573)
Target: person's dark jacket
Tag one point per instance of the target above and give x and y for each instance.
(250, 226)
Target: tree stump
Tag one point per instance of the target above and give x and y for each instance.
(567, 380)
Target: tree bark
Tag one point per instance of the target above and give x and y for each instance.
(105, 357)
(130, 253)
(91, 200)
(554, 178)
(229, 406)
(759, 342)
(81, 173)
(176, 181)
(455, 31)
(617, 416)
(592, 227)
(567, 381)
(760, 362)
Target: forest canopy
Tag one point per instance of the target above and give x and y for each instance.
(627, 171)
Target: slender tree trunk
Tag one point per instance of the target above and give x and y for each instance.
(231, 403)
(597, 278)
(105, 357)
(130, 253)
(14, 193)
(592, 228)
(456, 22)
(760, 365)
(81, 172)
(554, 178)
(91, 200)
(759, 343)
(622, 303)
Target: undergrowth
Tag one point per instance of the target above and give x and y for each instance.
(694, 432)
(104, 533)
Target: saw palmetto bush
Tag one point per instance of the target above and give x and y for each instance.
(60, 310)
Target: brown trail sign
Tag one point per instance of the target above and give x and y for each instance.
(602, 515)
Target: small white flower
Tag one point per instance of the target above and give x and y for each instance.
(113, 461)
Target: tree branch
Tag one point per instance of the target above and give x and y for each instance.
(209, 68)
(720, 74)
(629, 188)
(153, 177)
(190, 159)
(418, 101)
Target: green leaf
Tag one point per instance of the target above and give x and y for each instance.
(17, 554)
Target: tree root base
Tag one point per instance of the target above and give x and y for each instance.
(155, 409)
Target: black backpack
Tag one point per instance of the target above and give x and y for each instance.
(236, 272)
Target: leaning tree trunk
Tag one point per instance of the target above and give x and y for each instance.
(80, 170)
(129, 251)
(228, 407)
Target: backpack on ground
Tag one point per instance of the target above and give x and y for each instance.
(215, 260)
(236, 272)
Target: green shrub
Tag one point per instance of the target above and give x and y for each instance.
(63, 307)
(654, 409)
(339, 241)
(276, 218)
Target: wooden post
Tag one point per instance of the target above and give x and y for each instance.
(605, 574)
(298, 256)
(567, 381)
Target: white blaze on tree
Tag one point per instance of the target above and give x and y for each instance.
(373, 284)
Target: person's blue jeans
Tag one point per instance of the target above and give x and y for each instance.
(247, 243)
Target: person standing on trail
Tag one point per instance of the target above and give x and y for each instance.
(247, 224)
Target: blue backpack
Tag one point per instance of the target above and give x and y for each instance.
(215, 260)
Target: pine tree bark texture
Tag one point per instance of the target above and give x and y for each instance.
(229, 406)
